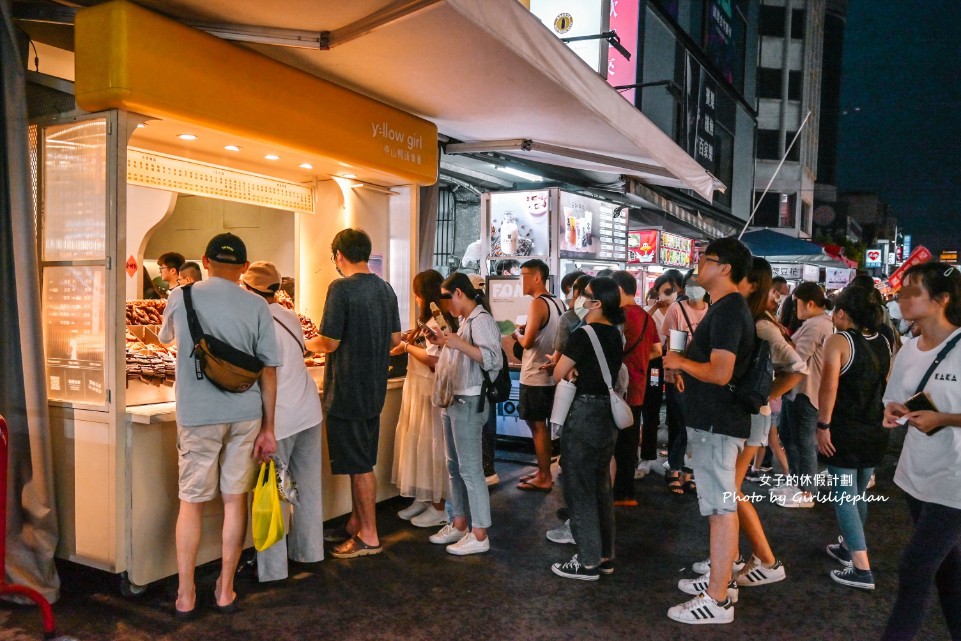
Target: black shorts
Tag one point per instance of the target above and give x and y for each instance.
(352, 444)
(536, 402)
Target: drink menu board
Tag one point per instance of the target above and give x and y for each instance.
(589, 228)
(675, 251)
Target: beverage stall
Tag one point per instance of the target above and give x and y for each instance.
(651, 252)
(160, 156)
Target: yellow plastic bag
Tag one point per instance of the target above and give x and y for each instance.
(268, 517)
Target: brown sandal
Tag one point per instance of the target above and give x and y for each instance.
(355, 547)
(673, 480)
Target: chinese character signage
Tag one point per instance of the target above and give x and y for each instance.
(790, 271)
(701, 93)
(918, 256)
(675, 251)
(620, 70)
(720, 41)
(642, 247)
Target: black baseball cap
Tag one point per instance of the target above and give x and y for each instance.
(227, 248)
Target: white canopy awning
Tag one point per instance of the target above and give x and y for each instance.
(487, 72)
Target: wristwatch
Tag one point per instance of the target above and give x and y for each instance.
(823, 426)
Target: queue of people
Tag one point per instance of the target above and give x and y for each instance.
(840, 379)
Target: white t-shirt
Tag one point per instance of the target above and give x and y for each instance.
(930, 466)
(298, 402)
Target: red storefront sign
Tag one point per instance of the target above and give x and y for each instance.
(642, 247)
(918, 256)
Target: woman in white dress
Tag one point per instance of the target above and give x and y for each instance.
(420, 465)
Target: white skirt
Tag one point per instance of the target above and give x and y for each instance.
(420, 457)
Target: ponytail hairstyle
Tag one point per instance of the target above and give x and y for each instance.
(427, 285)
(461, 281)
(860, 306)
(812, 293)
(759, 275)
(608, 293)
(940, 279)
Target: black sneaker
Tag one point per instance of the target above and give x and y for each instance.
(754, 476)
(855, 578)
(563, 513)
(574, 570)
(606, 567)
(839, 553)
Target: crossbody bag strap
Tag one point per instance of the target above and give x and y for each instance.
(937, 361)
(196, 331)
(647, 317)
(688, 320)
(605, 370)
(303, 348)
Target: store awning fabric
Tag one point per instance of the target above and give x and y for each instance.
(781, 248)
(485, 71)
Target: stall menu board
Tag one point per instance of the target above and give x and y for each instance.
(588, 228)
(676, 251)
(810, 273)
(519, 223)
(837, 278)
(642, 247)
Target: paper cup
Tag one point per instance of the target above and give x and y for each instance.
(678, 340)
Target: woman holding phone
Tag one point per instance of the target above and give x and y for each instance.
(849, 432)
(467, 357)
(929, 470)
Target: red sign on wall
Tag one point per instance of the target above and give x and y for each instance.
(918, 256)
(642, 247)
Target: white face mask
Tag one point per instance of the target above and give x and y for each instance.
(695, 294)
(579, 308)
(667, 298)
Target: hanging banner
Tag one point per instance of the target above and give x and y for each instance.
(642, 247)
(918, 256)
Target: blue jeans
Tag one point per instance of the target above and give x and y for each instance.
(676, 431)
(851, 516)
(798, 435)
(586, 450)
(463, 435)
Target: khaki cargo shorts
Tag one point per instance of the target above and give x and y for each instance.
(216, 457)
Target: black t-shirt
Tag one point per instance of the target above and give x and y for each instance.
(580, 349)
(727, 326)
(360, 312)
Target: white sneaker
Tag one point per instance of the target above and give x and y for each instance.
(469, 545)
(447, 535)
(702, 610)
(493, 479)
(643, 469)
(796, 499)
(413, 510)
(703, 567)
(778, 493)
(872, 482)
(431, 517)
(756, 573)
(562, 534)
(699, 585)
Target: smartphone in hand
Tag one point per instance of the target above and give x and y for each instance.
(921, 402)
(427, 330)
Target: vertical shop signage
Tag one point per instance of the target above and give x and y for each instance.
(701, 104)
(719, 37)
(675, 251)
(642, 247)
(624, 21)
(907, 245)
(570, 18)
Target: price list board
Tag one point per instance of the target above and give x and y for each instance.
(613, 234)
(75, 336)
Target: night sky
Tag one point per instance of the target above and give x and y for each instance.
(902, 67)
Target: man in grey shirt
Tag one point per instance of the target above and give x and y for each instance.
(361, 324)
(219, 433)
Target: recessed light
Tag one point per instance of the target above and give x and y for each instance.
(187, 137)
(349, 175)
(272, 157)
(305, 165)
(231, 147)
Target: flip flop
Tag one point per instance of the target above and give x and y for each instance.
(354, 548)
(527, 486)
(527, 477)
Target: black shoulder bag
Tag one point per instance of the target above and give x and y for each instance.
(226, 367)
(934, 365)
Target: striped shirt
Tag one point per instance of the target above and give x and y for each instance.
(480, 330)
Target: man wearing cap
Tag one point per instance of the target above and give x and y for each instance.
(219, 433)
(298, 424)
(361, 324)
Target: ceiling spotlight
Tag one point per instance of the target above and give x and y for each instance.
(187, 137)
(520, 174)
(140, 125)
(231, 147)
(348, 175)
(272, 157)
(305, 165)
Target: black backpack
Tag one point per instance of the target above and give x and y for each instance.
(499, 389)
(753, 389)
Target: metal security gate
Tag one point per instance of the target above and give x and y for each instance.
(446, 229)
